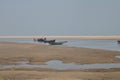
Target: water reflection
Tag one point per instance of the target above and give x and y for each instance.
(59, 65)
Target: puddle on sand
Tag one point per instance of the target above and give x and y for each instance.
(117, 57)
(59, 65)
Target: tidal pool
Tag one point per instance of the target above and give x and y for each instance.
(59, 65)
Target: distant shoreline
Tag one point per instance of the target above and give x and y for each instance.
(65, 37)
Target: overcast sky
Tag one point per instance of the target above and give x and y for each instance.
(59, 17)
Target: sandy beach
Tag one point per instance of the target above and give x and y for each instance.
(12, 53)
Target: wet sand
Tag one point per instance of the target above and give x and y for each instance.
(46, 75)
(12, 53)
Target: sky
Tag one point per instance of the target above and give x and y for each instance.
(59, 17)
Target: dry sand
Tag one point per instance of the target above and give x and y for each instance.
(11, 53)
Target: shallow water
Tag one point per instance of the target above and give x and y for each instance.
(97, 44)
(59, 65)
